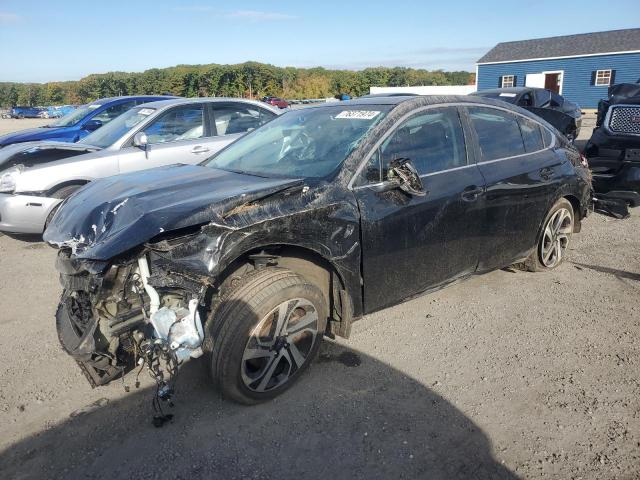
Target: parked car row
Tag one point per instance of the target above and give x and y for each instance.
(80, 122)
(39, 175)
(223, 229)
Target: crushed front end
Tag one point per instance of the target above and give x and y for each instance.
(112, 319)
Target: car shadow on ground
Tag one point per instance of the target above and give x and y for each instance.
(28, 238)
(351, 416)
(611, 271)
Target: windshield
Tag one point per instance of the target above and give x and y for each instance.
(116, 128)
(75, 116)
(504, 96)
(309, 143)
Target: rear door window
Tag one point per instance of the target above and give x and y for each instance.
(526, 100)
(531, 135)
(432, 140)
(547, 137)
(498, 133)
(543, 97)
(239, 118)
(556, 100)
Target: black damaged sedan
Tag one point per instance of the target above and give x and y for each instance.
(300, 228)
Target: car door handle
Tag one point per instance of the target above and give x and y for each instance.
(199, 149)
(546, 173)
(471, 193)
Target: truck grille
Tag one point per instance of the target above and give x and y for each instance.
(625, 120)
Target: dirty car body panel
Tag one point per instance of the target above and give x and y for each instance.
(333, 212)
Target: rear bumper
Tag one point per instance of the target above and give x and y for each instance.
(630, 197)
(615, 163)
(616, 179)
(25, 213)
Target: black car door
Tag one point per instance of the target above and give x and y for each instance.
(413, 243)
(521, 176)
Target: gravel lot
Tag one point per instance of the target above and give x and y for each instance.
(8, 125)
(506, 375)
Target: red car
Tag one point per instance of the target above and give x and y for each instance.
(276, 102)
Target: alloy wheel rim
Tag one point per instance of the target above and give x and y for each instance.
(555, 237)
(279, 345)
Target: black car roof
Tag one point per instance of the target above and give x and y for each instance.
(412, 99)
(508, 90)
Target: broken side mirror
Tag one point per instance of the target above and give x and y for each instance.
(403, 174)
(141, 141)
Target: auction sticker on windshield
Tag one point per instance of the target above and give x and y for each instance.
(358, 114)
(511, 95)
(146, 111)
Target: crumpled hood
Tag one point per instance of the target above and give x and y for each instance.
(112, 215)
(29, 135)
(31, 153)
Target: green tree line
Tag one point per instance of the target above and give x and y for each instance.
(250, 79)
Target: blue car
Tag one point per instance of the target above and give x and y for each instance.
(26, 112)
(81, 121)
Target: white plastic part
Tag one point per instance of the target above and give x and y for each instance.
(154, 298)
(181, 328)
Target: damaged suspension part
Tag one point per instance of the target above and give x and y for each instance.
(162, 364)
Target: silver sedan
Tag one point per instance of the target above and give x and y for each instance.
(37, 176)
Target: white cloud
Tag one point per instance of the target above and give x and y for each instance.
(8, 17)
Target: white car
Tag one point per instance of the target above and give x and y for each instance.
(37, 176)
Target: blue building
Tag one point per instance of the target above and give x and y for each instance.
(578, 67)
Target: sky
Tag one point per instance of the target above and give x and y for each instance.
(48, 40)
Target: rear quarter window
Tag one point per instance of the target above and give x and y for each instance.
(547, 137)
(531, 135)
(498, 133)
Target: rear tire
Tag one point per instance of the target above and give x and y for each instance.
(264, 333)
(553, 238)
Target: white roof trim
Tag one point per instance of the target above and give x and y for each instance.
(556, 58)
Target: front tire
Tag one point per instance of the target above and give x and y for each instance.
(553, 239)
(264, 333)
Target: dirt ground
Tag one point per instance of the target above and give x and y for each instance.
(506, 375)
(8, 125)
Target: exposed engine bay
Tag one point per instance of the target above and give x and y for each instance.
(114, 322)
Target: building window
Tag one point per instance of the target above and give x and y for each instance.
(603, 78)
(508, 81)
